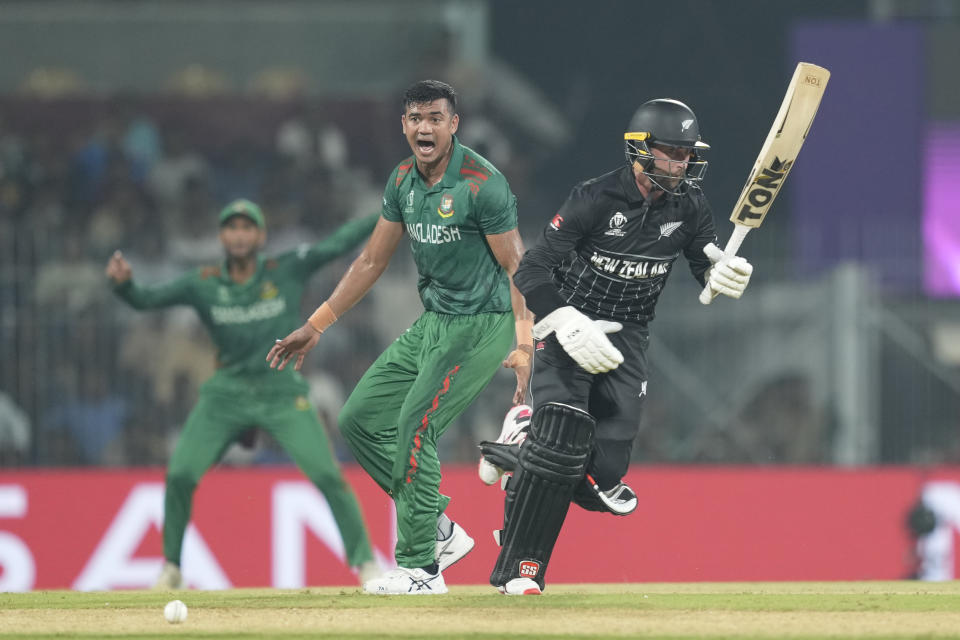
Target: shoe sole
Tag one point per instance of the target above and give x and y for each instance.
(422, 584)
(405, 593)
(532, 591)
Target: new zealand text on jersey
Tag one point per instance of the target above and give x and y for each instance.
(433, 233)
(628, 269)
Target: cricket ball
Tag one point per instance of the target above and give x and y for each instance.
(175, 612)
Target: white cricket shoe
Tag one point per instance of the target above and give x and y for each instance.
(170, 578)
(621, 499)
(514, 431)
(520, 587)
(453, 548)
(406, 582)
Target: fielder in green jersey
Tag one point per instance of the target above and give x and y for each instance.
(244, 302)
(461, 218)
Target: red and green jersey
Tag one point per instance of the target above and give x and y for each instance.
(245, 319)
(447, 224)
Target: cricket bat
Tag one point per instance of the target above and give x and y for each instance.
(779, 151)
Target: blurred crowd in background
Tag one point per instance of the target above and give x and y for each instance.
(133, 138)
(96, 383)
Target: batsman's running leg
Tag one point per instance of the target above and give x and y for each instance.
(552, 462)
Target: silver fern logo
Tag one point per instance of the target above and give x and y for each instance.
(668, 228)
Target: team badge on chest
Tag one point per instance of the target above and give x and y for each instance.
(616, 223)
(446, 206)
(268, 291)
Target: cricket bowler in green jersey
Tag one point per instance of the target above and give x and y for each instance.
(247, 300)
(461, 218)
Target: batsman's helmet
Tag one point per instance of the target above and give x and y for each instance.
(665, 122)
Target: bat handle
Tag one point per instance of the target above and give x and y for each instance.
(706, 296)
(740, 232)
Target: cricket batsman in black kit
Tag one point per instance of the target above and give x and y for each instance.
(593, 281)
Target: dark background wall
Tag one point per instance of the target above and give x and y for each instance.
(730, 61)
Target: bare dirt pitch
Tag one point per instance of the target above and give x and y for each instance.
(728, 610)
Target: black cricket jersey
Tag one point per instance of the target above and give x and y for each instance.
(608, 252)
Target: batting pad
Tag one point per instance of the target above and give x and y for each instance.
(551, 463)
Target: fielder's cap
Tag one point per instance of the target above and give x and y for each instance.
(243, 208)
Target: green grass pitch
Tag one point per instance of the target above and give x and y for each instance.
(693, 610)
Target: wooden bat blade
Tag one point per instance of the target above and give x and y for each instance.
(776, 158)
(783, 143)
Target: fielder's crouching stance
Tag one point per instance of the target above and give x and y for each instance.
(593, 281)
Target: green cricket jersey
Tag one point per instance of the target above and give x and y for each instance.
(245, 319)
(447, 224)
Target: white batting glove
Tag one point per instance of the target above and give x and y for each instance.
(729, 276)
(583, 339)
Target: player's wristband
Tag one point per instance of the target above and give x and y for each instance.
(322, 318)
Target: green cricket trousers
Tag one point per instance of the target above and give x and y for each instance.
(404, 403)
(218, 419)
